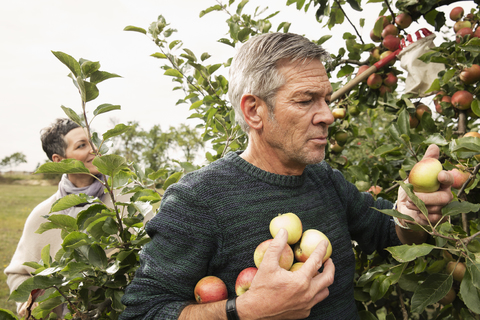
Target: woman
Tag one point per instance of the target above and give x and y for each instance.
(63, 140)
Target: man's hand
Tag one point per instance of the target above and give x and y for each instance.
(434, 201)
(276, 293)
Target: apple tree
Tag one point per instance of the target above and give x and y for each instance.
(383, 126)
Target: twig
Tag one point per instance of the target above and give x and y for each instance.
(390, 9)
(402, 303)
(345, 14)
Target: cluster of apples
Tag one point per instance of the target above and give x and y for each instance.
(211, 288)
(457, 270)
(420, 109)
(463, 25)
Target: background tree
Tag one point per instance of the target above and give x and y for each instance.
(13, 160)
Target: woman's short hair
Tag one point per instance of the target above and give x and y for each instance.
(53, 137)
(254, 67)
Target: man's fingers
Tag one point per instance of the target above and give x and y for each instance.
(325, 279)
(314, 262)
(433, 151)
(274, 250)
(445, 178)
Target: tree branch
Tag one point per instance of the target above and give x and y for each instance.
(345, 14)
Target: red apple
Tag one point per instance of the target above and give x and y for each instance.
(309, 241)
(413, 122)
(391, 42)
(475, 135)
(290, 222)
(386, 22)
(462, 100)
(390, 29)
(361, 69)
(470, 75)
(461, 24)
(438, 105)
(390, 80)
(286, 257)
(244, 280)
(339, 113)
(460, 176)
(374, 81)
(375, 190)
(374, 37)
(383, 90)
(420, 110)
(403, 20)
(476, 34)
(423, 175)
(456, 13)
(462, 33)
(210, 289)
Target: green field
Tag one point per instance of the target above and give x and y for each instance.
(17, 201)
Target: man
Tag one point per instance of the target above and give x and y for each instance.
(211, 221)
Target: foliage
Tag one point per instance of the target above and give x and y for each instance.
(13, 160)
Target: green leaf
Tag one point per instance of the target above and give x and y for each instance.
(173, 73)
(457, 207)
(323, 39)
(403, 122)
(66, 202)
(89, 67)
(118, 130)
(216, 7)
(74, 240)
(366, 315)
(474, 269)
(64, 166)
(99, 76)
(157, 174)
(22, 293)
(45, 254)
(437, 139)
(69, 61)
(159, 55)
(416, 200)
(136, 29)
(106, 107)
(434, 288)
(355, 5)
(435, 86)
(406, 253)
(395, 213)
(385, 149)
(470, 293)
(110, 164)
(65, 221)
(476, 107)
(97, 257)
(172, 179)
(72, 115)
(7, 315)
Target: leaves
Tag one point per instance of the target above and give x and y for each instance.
(406, 253)
(434, 288)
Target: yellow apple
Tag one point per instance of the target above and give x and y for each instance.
(290, 222)
(286, 258)
(309, 241)
(423, 175)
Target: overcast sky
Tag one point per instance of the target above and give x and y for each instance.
(34, 84)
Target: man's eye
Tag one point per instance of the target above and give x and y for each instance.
(306, 101)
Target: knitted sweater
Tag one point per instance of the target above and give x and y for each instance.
(211, 221)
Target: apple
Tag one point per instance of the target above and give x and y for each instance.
(384, 89)
(386, 22)
(336, 148)
(457, 270)
(403, 20)
(309, 241)
(420, 110)
(286, 257)
(374, 81)
(462, 24)
(390, 29)
(375, 53)
(375, 190)
(210, 289)
(449, 297)
(290, 222)
(438, 106)
(341, 137)
(476, 34)
(413, 121)
(460, 176)
(462, 33)
(244, 280)
(296, 266)
(456, 13)
(374, 37)
(423, 175)
(362, 69)
(339, 113)
(391, 42)
(462, 100)
(386, 54)
(475, 135)
(470, 75)
(362, 185)
(390, 80)
(353, 110)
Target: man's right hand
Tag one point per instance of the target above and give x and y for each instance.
(276, 293)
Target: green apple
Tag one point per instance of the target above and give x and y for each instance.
(423, 175)
(290, 222)
(307, 244)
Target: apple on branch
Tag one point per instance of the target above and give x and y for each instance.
(210, 289)
(244, 280)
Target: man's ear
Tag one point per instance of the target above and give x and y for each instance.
(57, 157)
(254, 109)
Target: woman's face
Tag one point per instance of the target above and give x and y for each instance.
(78, 148)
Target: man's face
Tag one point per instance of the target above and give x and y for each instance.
(78, 148)
(298, 130)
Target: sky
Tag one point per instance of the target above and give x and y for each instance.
(34, 84)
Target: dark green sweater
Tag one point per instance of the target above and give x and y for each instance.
(210, 222)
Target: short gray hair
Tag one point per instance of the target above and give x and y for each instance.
(53, 137)
(254, 67)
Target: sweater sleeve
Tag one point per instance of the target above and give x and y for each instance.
(183, 240)
(370, 228)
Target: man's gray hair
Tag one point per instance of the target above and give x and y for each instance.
(254, 67)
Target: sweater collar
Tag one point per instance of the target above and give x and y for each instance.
(268, 177)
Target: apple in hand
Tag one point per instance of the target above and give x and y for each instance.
(290, 222)
(307, 244)
(244, 280)
(286, 257)
(423, 175)
(210, 289)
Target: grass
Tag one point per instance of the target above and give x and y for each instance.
(16, 203)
